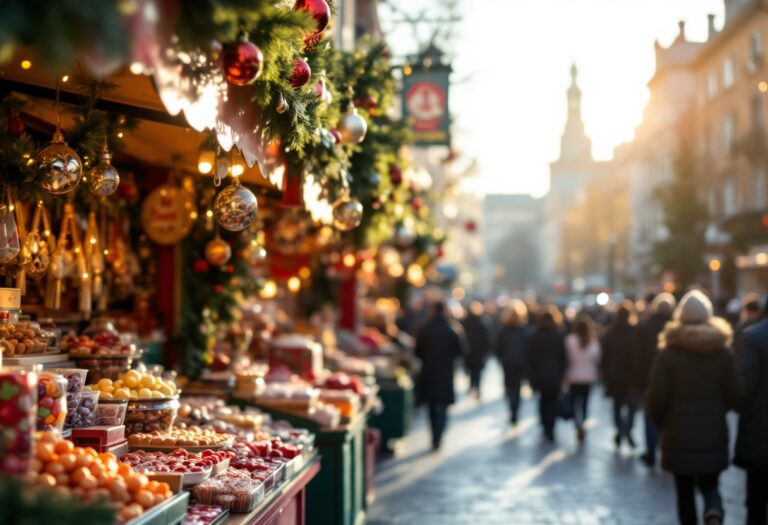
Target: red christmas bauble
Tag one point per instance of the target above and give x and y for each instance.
(470, 226)
(416, 202)
(370, 102)
(319, 10)
(301, 73)
(15, 125)
(395, 174)
(242, 62)
(440, 251)
(218, 288)
(230, 268)
(200, 266)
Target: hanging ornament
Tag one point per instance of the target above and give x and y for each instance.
(166, 214)
(301, 74)
(347, 213)
(15, 125)
(336, 135)
(352, 127)
(282, 104)
(395, 174)
(235, 207)
(416, 202)
(39, 245)
(60, 166)
(24, 255)
(321, 12)
(94, 255)
(103, 179)
(9, 233)
(404, 235)
(217, 251)
(242, 62)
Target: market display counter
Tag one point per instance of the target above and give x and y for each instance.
(394, 421)
(337, 495)
(285, 505)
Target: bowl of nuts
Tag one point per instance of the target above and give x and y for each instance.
(150, 415)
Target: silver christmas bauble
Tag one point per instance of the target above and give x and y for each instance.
(60, 166)
(235, 207)
(404, 236)
(352, 127)
(103, 179)
(347, 213)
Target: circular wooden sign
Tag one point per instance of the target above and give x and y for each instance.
(167, 214)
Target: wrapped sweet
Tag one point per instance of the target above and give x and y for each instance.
(18, 409)
(51, 401)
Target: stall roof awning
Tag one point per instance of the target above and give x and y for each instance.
(159, 139)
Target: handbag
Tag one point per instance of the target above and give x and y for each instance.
(565, 406)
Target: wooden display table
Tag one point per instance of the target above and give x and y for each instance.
(284, 506)
(394, 421)
(337, 495)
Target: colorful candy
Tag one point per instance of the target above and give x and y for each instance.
(18, 406)
(51, 401)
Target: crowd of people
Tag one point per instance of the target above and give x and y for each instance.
(680, 365)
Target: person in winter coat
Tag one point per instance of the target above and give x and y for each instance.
(693, 384)
(752, 441)
(511, 351)
(616, 368)
(751, 312)
(546, 365)
(583, 350)
(645, 343)
(438, 346)
(476, 330)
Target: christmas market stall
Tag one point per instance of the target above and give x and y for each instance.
(194, 199)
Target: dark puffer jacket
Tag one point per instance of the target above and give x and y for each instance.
(616, 365)
(693, 385)
(752, 441)
(547, 360)
(645, 342)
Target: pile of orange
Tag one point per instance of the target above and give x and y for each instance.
(85, 474)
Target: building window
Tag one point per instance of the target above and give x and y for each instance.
(712, 84)
(729, 72)
(729, 134)
(755, 51)
(759, 188)
(758, 119)
(729, 199)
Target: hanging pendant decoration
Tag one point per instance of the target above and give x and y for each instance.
(60, 166)
(301, 74)
(39, 245)
(352, 127)
(24, 255)
(347, 213)
(9, 233)
(242, 62)
(166, 214)
(235, 207)
(321, 12)
(94, 256)
(282, 105)
(218, 251)
(103, 179)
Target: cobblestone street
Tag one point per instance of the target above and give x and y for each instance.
(490, 473)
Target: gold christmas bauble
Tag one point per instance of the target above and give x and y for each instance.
(218, 251)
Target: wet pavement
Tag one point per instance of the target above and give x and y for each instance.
(490, 473)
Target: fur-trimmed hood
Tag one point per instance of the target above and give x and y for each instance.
(711, 336)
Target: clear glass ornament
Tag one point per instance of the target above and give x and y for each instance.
(347, 213)
(60, 166)
(9, 235)
(235, 207)
(103, 179)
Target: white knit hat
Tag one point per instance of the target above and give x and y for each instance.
(694, 308)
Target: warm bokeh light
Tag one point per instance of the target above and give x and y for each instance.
(26, 64)
(349, 260)
(458, 294)
(714, 265)
(305, 272)
(294, 284)
(396, 270)
(205, 161)
(269, 290)
(761, 258)
(762, 86)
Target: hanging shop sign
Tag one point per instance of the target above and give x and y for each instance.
(167, 214)
(425, 104)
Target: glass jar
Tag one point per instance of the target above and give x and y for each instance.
(85, 413)
(18, 409)
(75, 381)
(51, 401)
(148, 415)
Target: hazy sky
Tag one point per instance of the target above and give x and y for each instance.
(512, 60)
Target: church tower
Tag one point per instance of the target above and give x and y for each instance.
(575, 145)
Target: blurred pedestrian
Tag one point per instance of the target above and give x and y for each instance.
(477, 333)
(546, 365)
(693, 384)
(438, 346)
(616, 368)
(583, 351)
(752, 441)
(645, 347)
(751, 312)
(511, 351)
